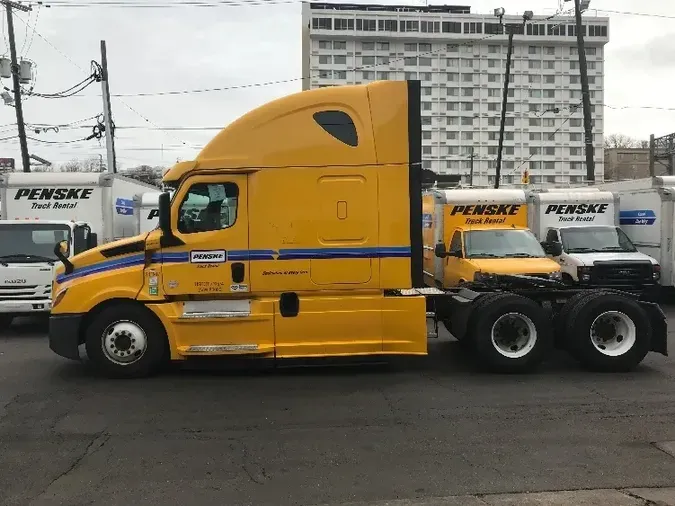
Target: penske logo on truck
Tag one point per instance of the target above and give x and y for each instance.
(207, 257)
(57, 198)
(154, 213)
(576, 212)
(488, 214)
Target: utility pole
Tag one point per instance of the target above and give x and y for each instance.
(471, 168)
(585, 95)
(507, 75)
(107, 111)
(505, 98)
(9, 5)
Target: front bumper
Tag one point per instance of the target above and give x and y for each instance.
(25, 307)
(64, 335)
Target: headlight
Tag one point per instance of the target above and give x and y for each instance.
(557, 275)
(584, 274)
(59, 297)
(656, 273)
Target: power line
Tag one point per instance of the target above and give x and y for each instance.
(643, 14)
(168, 4)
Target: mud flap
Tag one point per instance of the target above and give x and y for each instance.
(659, 327)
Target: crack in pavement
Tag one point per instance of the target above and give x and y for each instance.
(255, 472)
(4, 407)
(97, 442)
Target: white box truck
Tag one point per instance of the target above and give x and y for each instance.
(595, 251)
(647, 216)
(146, 211)
(41, 209)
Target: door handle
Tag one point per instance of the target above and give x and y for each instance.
(238, 272)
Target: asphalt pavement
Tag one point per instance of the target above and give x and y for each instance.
(433, 431)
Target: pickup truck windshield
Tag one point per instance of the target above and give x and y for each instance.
(502, 244)
(595, 240)
(30, 242)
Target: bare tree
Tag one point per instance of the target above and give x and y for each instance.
(623, 141)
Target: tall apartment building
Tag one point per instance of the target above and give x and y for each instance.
(460, 58)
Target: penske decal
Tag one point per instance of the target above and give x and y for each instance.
(576, 212)
(207, 257)
(486, 214)
(56, 198)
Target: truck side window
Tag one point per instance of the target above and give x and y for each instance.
(339, 125)
(207, 207)
(456, 243)
(552, 235)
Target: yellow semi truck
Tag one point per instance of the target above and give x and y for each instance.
(480, 232)
(320, 255)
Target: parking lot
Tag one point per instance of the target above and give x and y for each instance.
(430, 428)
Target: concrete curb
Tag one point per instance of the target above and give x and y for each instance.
(596, 497)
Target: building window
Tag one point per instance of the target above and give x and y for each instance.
(426, 91)
(322, 23)
(508, 150)
(533, 50)
(410, 47)
(426, 150)
(536, 29)
(473, 27)
(368, 60)
(575, 151)
(467, 92)
(384, 75)
(410, 61)
(383, 60)
(493, 78)
(426, 120)
(325, 44)
(409, 26)
(368, 46)
(556, 29)
(452, 48)
(426, 135)
(591, 51)
(411, 76)
(467, 136)
(387, 25)
(467, 78)
(574, 79)
(451, 136)
(549, 150)
(367, 75)
(494, 49)
(452, 121)
(549, 79)
(533, 79)
(575, 137)
(535, 122)
(366, 25)
(535, 136)
(452, 62)
(467, 106)
(451, 92)
(338, 124)
(451, 27)
(339, 59)
(424, 48)
(467, 64)
(466, 121)
(426, 106)
(549, 50)
(597, 30)
(344, 24)
(534, 64)
(424, 61)
(535, 150)
(431, 27)
(493, 29)
(325, 59)
(494, 92)
(425, 76)
(549, 93)
(549, 65)
(453, 77)
(451, 106)
(493, 63)
(383, 46)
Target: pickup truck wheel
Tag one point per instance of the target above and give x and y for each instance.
(608, 332)
(511, 333)
(126, 341)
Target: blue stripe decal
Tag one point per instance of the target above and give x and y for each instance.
(637, 217)
(242, 255)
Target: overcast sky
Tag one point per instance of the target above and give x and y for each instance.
(185, 48)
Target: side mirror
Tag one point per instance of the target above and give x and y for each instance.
(556, 249)
(61, 252)
(92, 240)
(440, 251)
(456, 253)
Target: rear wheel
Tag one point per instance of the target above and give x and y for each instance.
(126, 341)
(608, 332)
(510, 333)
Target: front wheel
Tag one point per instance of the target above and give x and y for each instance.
(126, 341)
(511, 333)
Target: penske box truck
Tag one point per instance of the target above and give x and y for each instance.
(647, 216)
(485, 232)
(43, 208)
(595, 251)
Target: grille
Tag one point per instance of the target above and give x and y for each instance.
(24, 292)
(538, 275)
(622, 273)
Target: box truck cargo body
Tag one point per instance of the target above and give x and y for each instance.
(41, 209)
(595, 251)
(647, 216)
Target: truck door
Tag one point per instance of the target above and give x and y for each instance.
(210, 215)
(453, 262)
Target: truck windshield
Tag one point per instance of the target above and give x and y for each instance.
(502, 244)
(595, 240)
(30, 242)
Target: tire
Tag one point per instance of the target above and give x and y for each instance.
(128, 326)
(497, 316)
(626, 328)
(466, 339)
(560, 320)
(5, 321)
